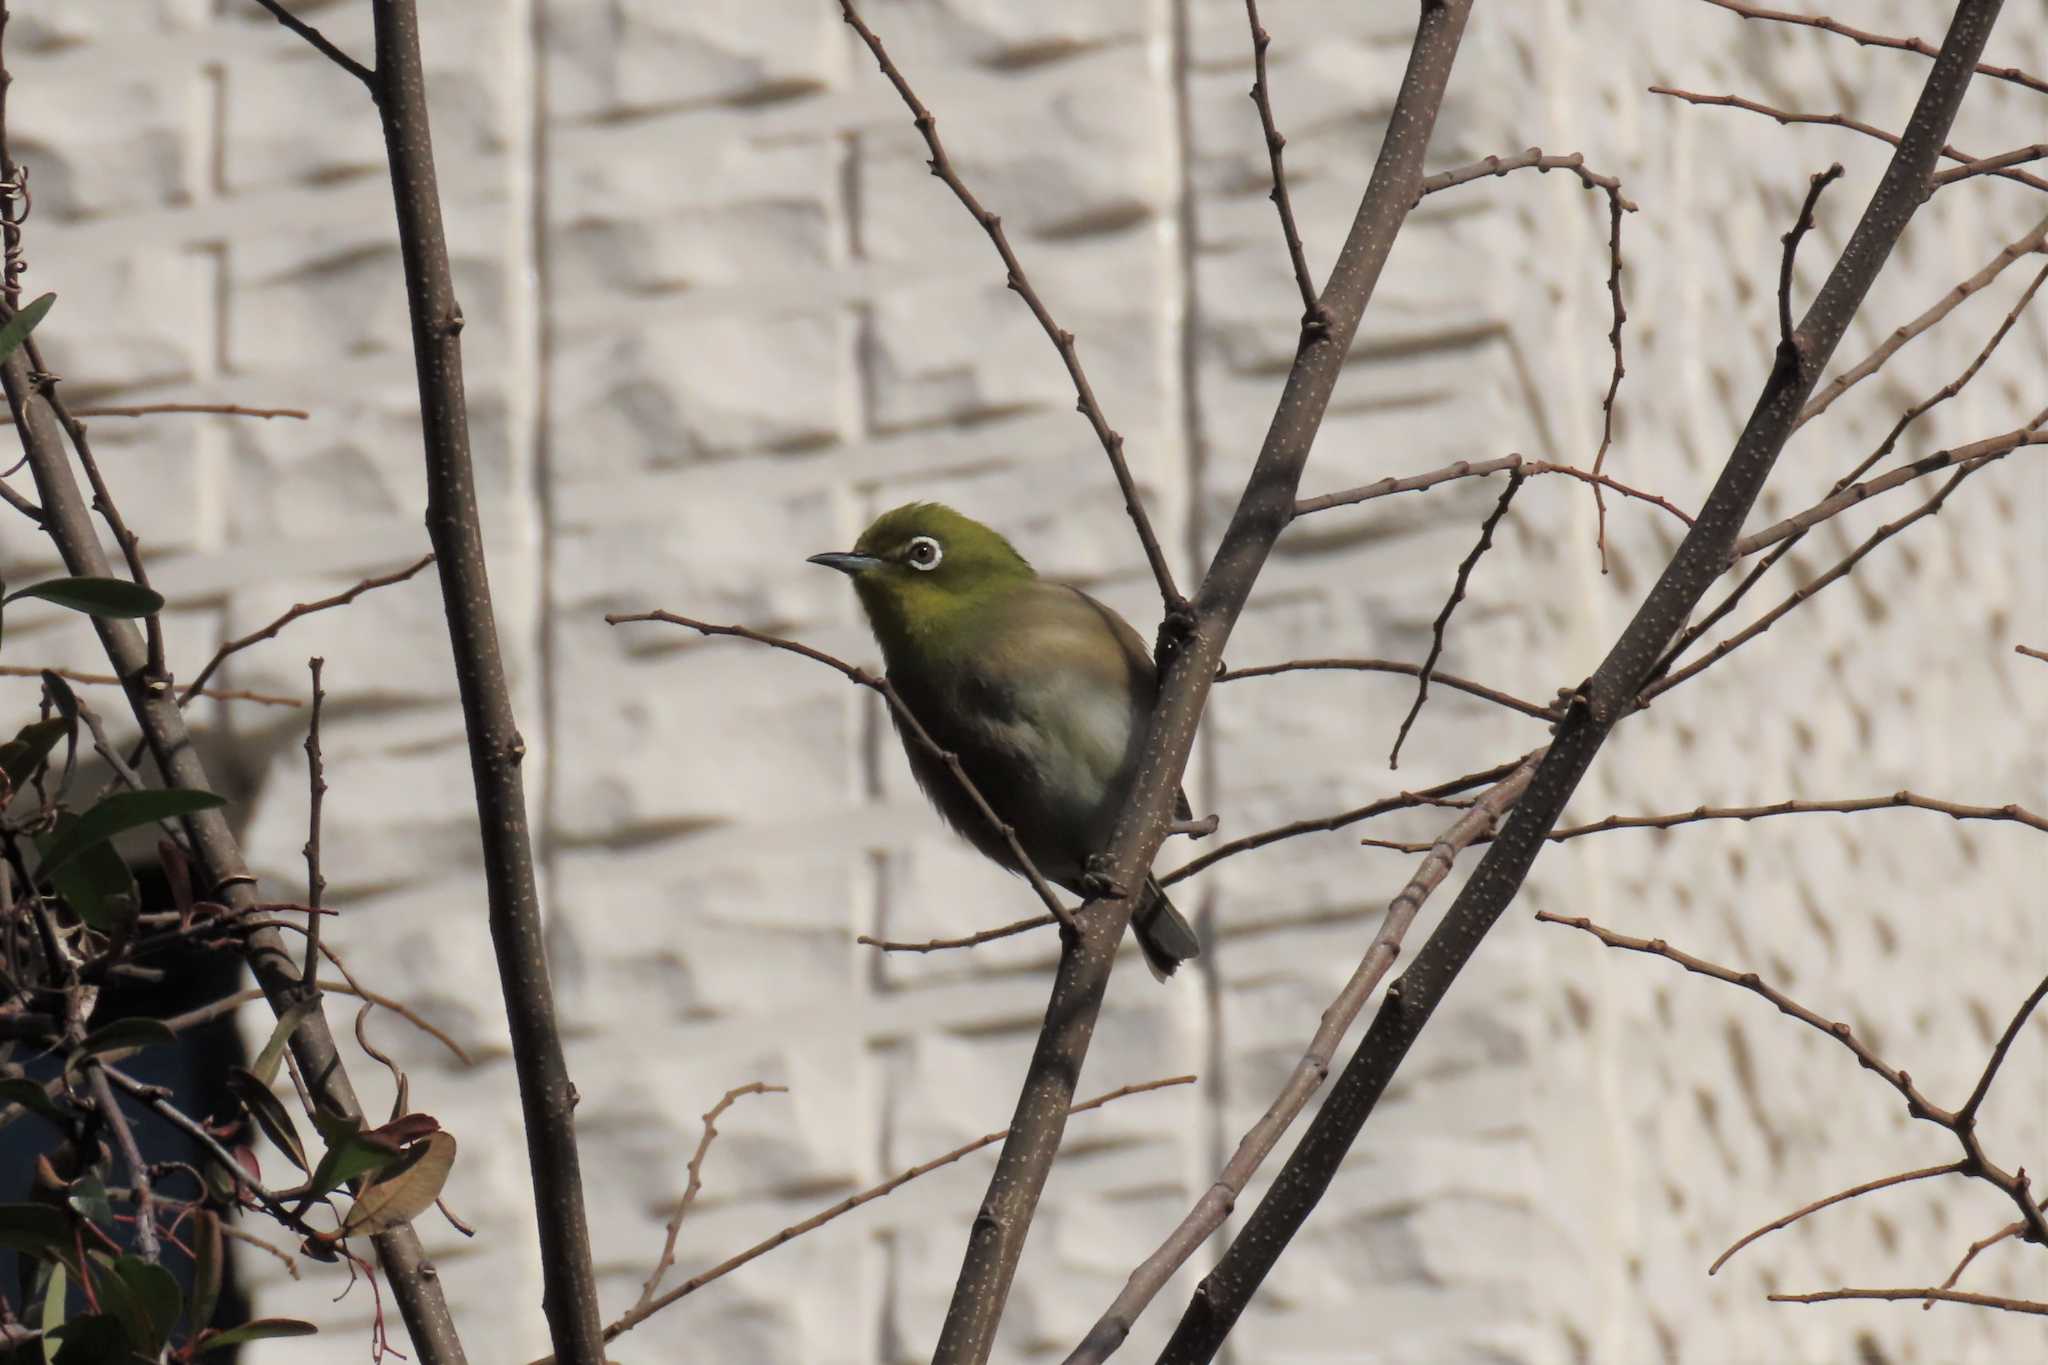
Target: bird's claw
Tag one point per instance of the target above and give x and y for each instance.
(1096, 881)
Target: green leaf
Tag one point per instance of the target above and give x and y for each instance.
(270, 1115)
(53, 1309)
(89, 1197)
(32, 1097)
(207, 1260)
(37, 1229)
(261, 1329)
(120, 811)
(21, 756)
(405, 1192)
(22, 323)
(156, 1300)
(356, 1155)
(94, 596)
(96, 884)
(264, 1068)
(130, 1033)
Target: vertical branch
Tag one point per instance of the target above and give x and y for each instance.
(1262, 96)
(316, 783)
(496, 749)
(69, 524)
(1189, 664)
(1602, 701)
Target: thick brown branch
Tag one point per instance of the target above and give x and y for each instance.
(1308, 1075)
(1606, 697)
(496, 748)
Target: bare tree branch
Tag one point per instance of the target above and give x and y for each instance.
(1854, 1191)
(341, 599)
(1262, 96)
(1190, 653)
(1962, 1123)
(322, 46)
(109, 680)
(1787, 116)
(640, 1313)
(694, 1183)
(1396, 666)
(1938, 1295)
(1866, 39)
(2032, 242)
(1443, 618)
(1308, 1075)
(1605, 698)
(152, 409)
(496, 748)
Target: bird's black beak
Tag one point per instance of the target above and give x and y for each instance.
(849, 564)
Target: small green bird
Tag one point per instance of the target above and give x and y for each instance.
(1040, 690)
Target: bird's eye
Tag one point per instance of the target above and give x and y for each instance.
(923, 553)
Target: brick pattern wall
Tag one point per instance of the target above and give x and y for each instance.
(719, 315)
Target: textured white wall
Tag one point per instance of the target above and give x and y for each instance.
(719, 315)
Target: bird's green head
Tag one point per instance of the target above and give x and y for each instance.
(924, 570)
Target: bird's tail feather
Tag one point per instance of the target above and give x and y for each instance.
(1165, 936)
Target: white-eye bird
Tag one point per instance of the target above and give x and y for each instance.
(1041, 692)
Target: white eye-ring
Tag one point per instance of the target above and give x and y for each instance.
(923, 553)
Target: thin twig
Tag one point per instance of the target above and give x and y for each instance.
(1443, 618)
(1533, 159)
(1262, 96)
(1978, 1248)
(1787, 116)
(1397, 666)
(152, 409)
(927, 125)
(2032, 242)
(146, 1242)
(108, 680)
(1900, 800)
(1329, 823)
(1800, 227)
(1971, 456)
(2031, 652)
(322, 46)
(1882, 1183)
(696, 1183)
(913, 726)
(228, 1004)
(641, 1312)
(2018, 156)
(970, 941)
(316, 784)
(1863, 38)
(298, 609)
(1961, 1122)
(1941, 1295)
(1469, 469)
(1216, 1203)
